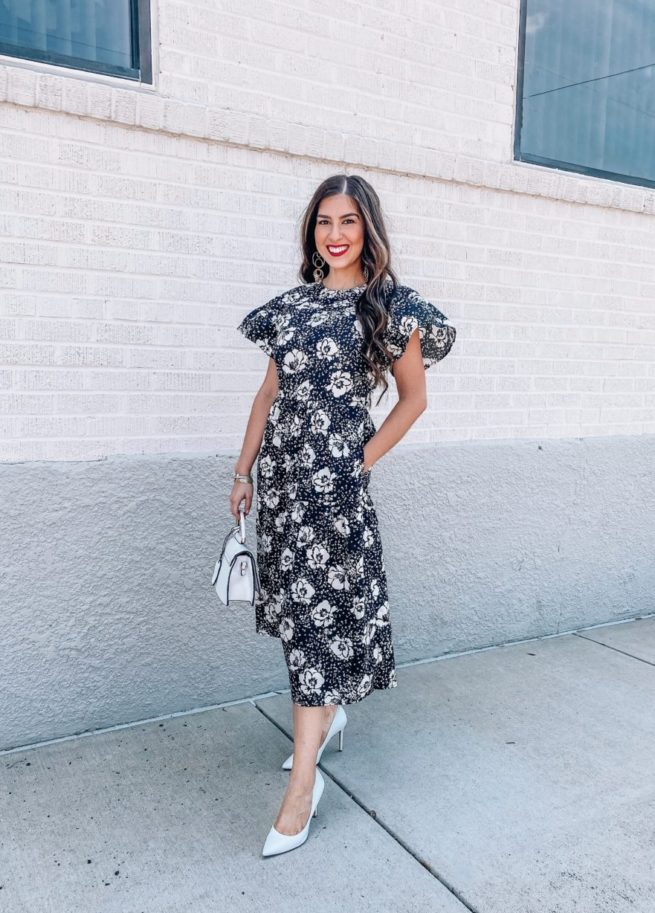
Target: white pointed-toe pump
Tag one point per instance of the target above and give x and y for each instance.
(280, 843)
(337, 725)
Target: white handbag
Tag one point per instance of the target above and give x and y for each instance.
(236, 575)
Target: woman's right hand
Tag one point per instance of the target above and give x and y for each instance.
(240, 491)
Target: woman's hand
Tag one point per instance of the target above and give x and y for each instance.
(240, 491)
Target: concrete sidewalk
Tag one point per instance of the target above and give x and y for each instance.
(515, 779)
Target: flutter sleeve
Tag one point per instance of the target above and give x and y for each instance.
(261, 326)
(409, 311)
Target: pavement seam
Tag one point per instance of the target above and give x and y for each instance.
(599, 643)
(372, 814)
(250, 699)
(162, 717)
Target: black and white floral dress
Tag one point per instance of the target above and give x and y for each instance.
(324, 587)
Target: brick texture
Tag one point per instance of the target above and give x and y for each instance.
(140, 223)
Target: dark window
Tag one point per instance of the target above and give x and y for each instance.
(586, 87)
(102, 36)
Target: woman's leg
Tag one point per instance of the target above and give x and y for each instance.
(310, 726)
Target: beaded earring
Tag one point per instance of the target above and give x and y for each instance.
(318, 272)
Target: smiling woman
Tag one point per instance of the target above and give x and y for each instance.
(319, 552)
(339, 238)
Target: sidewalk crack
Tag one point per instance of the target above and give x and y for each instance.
(381, 823)
(599, 643)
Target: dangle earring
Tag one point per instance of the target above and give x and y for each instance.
(318, 272)
(366, 274)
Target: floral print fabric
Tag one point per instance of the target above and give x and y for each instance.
(319, 553)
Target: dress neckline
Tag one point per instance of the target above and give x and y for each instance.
(326, 292)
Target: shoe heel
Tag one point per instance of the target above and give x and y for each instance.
(341, 740)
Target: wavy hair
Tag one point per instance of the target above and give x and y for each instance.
(372, 306)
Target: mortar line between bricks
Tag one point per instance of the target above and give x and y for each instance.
(263, 149)
(599, 643)
(515, 168)
(385, 827)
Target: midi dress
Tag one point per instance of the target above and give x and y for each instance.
(323, 586)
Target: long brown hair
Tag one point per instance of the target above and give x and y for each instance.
(372, 305)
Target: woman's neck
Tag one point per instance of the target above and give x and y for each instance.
(344, 282)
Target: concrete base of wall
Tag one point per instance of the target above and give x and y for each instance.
(108, 614)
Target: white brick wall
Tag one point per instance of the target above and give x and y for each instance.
(140, 223)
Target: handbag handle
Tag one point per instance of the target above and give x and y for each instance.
(242, 523)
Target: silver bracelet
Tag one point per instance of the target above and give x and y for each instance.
(241, 477)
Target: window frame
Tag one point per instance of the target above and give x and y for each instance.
(141, 51)
(533, 159)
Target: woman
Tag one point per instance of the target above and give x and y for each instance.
(323, 583)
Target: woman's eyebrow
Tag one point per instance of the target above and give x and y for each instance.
(322, 215)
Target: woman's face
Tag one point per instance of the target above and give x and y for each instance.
(339, 232)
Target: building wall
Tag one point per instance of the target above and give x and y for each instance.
(141, 223)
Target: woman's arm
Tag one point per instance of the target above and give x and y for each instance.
(252, 440)
(409, 374)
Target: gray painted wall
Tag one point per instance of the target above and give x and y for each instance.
(108, 615)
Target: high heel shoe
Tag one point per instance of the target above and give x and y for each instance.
(337, 725)
(279, 843)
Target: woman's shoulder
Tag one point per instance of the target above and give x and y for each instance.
(406, 296)
(288, 296)
(405, 299)
(410, 310)
(403, 292)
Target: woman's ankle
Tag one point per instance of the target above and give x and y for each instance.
(303, 782)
